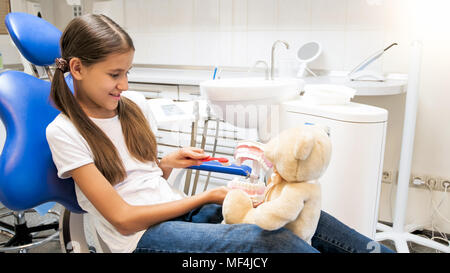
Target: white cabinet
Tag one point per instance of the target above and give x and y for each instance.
(188, 92)
(352, 182)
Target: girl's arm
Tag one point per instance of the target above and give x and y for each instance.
(181, 158)
(126, 218)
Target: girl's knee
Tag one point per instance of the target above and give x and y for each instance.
(210, 213)
(280, 240)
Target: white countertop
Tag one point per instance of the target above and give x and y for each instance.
(363, 88)
(180, 76)
(169, 76)
(395, 84)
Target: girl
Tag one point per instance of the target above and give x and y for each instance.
(103, 138)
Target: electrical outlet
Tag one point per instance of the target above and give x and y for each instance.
(442, 183)
(418, 177)
(76, 9)
(432, 182)
(429, 182)
(437, 183)
(387, 177)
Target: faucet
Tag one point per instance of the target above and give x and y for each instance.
(272, 64)
(265, 65)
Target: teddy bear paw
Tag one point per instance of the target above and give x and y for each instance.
(236, 206)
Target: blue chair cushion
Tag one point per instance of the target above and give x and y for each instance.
(28, 176)
(36, 39)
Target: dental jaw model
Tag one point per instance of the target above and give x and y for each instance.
(251, 150)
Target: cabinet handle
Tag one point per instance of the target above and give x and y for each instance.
(145, 90)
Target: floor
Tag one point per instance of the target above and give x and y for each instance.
(55, 247)
(413, 248)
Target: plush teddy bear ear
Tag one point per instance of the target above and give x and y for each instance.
(304, 145)
(270, 150)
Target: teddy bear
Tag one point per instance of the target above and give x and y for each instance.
(292, 199)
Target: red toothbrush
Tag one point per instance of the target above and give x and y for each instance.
(222, 160)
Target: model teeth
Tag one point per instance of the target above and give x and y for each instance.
(254, 190)
(251, 150)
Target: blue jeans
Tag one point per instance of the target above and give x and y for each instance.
(200, 231)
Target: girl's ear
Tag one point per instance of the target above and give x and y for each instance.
(76, 68)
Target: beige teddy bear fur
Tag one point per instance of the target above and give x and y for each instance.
(293, 197)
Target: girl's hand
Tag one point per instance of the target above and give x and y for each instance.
(183, 158)
(216, 195)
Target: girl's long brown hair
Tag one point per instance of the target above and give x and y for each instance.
(92, 38)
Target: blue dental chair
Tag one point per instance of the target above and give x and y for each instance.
(36, 39)
(27, 173)
(40, 46)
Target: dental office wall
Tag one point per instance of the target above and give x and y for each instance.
(236, 33)
(11, 56)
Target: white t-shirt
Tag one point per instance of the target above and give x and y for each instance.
(143, 185)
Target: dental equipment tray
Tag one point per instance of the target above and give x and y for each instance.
(214, 166)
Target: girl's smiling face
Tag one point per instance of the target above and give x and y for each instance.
(98, 86)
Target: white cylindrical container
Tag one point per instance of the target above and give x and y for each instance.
(351, 185)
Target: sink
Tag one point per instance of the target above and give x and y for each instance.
(250, 102)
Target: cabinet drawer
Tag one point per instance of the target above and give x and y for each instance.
(188, 92)
(173, 138)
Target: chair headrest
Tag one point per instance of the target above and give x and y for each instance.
(36, 39)
(28, 176)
